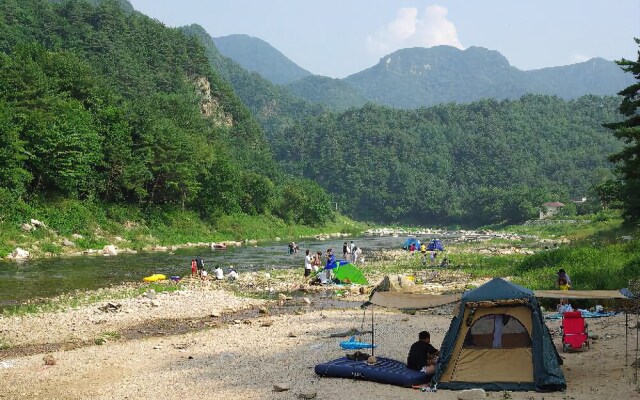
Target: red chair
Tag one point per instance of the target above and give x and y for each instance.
(574, 331)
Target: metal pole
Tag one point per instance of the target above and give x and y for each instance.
(373, 336)
(626, 338)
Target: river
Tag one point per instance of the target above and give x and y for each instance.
(21, 281)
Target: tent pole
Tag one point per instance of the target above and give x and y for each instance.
(373, 336)
(626, 338)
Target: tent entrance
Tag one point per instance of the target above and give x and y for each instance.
(497, 346)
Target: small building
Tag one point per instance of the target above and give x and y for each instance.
(579, 200)
(550, 209)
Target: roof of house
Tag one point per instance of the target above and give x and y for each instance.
(553, 204)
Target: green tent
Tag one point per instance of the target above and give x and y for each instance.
(499, 341)
(349, 273)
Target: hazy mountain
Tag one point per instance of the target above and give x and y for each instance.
(259, 56)
(417, 77)
(335, 94)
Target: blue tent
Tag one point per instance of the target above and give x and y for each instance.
(435, 244)
(407, 243)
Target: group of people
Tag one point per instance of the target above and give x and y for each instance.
(198, 270)
(351, 252)
(313, 262)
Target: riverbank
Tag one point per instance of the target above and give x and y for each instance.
(204, 341)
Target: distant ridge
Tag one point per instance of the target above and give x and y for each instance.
(419, 77)
(416, 77)
(259, 56)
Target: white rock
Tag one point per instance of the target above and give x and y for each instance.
(68, 243)
(19, 253)
(472, 394)
(306, 300)
(110, 250)
(155, 303)
(37, 223)
(77, 236)
(27, 227)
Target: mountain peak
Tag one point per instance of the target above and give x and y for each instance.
(259, 56)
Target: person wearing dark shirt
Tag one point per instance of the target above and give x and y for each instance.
(422, 355)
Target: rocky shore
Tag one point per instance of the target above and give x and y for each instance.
(204, 341)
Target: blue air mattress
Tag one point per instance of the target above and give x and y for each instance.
(385, 370)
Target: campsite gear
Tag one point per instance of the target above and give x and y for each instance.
(435, 244)
(154, 278)
(349, 273)
(498, 341)
(358, 356)
(353, 344)
(386, 370)
(574, 331)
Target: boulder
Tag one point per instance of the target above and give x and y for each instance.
(27, 227)
(37, 223)
(77, 236)
(19, 254)
(110, 250)
(68, 243)
(472, 394)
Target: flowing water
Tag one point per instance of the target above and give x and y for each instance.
(21, 281)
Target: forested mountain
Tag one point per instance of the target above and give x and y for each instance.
(484, 162)
(335, 94)
(274, 106)
(417, 77)
(256, 55)
(101, 103)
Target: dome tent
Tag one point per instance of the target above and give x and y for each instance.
(499, 341)
(411, 240)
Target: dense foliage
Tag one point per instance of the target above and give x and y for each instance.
(335, 94)
(486, 162)
(629, 131)
(101, 103)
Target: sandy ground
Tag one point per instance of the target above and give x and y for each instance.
(175, 349)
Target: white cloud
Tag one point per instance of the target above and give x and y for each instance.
(409, 29)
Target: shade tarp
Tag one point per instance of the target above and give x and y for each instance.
(412, 301)
(579, 294)
(349, 273)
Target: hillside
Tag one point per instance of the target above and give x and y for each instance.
(484, 162)
(256, 55)
(275, 107)
(109, 106)
(335, 94)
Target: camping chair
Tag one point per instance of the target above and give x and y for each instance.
(574, 331)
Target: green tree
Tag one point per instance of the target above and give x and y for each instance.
(628, 159)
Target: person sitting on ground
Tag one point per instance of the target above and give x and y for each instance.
(422, 355)
(204, 275)
(233, 274)
(219, 273)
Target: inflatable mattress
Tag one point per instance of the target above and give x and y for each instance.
(385, 370)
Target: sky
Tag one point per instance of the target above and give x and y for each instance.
(337, 38)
